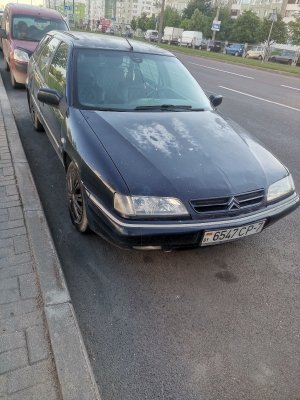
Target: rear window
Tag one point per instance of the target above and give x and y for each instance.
(32, 28)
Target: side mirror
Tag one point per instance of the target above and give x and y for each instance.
(3, 34)
(215, 99)
(50, 97)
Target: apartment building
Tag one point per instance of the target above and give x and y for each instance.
(127, 10)
(263, 8)
(178, 5)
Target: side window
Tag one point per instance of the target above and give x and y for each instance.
(40, 47)
(46, 55)
(58, 69)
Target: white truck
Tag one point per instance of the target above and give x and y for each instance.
(171, 35)
(190, 39)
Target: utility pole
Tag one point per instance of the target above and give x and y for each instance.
(216, 18)
(272, 18)
(161, 20)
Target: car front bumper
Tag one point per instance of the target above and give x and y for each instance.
(169, 235)
(19, 70)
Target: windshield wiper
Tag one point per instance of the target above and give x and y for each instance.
(171, 107)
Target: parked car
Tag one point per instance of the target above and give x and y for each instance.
(257, 52)
(235, 49)
(150, 164)
(110, 31)
(127, 34)
(286, 57)
(151, 35)
(23, 26)
(210, 45)
(190, 39)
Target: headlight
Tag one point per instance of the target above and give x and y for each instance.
(148, 205)
(20, 55)
(281, 188)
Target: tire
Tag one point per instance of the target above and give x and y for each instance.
(259, 58)
(6, 65)
(14, 83)
(273, 59)
(35, 119)
(75, 199)
(247, 56)
(290, 62)
(236, 53)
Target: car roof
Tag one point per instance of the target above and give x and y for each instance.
(27, 9)
(94, 40)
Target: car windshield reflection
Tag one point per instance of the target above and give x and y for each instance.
(109, 80)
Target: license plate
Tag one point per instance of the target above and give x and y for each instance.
(224, 235)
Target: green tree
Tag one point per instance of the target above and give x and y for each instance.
(198, 22)
(133, 24)
(142, 22)
(171, 17)
(245, 27)
(294, 30)
(185, 24)
(151, 24)
(279, 31)
(201, 5)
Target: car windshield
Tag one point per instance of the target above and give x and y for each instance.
(126, 81)
(31, 28)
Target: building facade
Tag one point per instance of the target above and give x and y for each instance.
(263, 8)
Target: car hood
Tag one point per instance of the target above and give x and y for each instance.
(26, 45)
(191, 155)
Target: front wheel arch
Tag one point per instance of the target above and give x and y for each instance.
(75, 198)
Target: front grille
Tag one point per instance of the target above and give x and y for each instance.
(239, 202)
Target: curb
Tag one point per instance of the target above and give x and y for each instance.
(75, 375)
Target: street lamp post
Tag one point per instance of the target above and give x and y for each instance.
(273, 18)
(216, 18)
(161, 20)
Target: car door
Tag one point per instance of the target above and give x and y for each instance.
(56, 80)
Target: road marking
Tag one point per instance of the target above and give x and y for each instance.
(290, 87)
(227, 72)
(259, 98)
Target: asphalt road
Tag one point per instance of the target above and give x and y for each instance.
(220, 322)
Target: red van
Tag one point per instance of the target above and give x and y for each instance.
(22, 27)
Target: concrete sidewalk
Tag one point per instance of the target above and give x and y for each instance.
(42, 354)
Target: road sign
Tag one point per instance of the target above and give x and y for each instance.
(216, 25)
(273, 16)
(69, 8)
(113, 19)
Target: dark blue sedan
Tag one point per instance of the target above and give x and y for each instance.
(150, 164)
